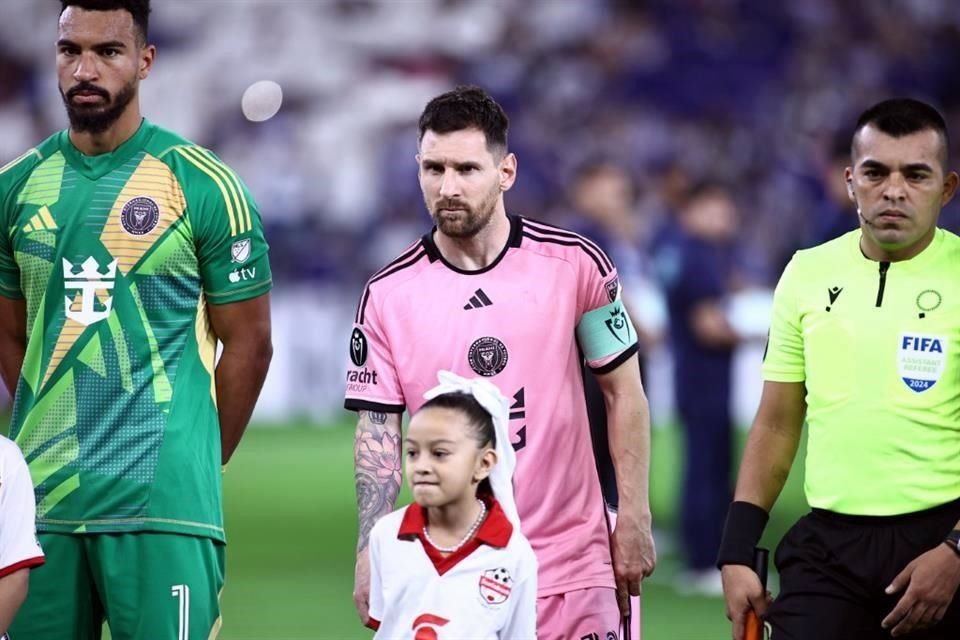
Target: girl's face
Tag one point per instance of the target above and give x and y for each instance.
(445, 463)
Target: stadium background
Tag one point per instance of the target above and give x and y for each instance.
(754, 94)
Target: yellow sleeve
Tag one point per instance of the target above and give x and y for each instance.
(783, 360)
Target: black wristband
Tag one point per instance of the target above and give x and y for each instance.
(741, 533)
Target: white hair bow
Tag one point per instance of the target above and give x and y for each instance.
(489, 397)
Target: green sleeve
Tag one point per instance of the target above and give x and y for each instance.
(784, 358)
(9, 271)
(232, 251)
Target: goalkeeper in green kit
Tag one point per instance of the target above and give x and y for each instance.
(126, 254)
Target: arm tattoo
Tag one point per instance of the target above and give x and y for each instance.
(377, 470)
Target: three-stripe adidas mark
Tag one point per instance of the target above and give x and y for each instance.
(42, 221)
(478, 300)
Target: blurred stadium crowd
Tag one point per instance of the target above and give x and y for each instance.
(757, 96)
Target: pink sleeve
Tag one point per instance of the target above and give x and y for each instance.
(596, 290)
(372, 382)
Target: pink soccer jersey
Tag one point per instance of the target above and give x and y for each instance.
(514, 322)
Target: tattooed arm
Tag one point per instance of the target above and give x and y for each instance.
(377, 472)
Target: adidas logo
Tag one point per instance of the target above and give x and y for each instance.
(478, 300)
(42, 221)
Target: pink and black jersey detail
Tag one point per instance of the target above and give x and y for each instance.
(514, 322)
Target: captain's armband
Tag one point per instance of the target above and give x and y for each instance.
(606, 331)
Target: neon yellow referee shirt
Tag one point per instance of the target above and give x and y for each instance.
(877, 345)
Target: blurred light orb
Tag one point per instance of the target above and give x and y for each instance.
(261, 100)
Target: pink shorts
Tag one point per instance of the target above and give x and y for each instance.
(584, 613)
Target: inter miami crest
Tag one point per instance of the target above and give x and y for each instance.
(358, 347)
(495, 586)
(140, 216)
(487, 356)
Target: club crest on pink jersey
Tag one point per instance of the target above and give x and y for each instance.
(488, 356)
(495, 586)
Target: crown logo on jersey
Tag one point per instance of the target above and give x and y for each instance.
(90, 271)
(83, 307)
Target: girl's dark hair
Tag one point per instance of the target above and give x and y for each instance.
(481, 423)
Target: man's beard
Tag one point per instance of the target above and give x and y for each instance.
(97, 118)
(469, 221)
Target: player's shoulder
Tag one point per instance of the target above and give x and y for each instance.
(192, 163)
(829, 256)
(19, 168)
(559, 242)
(408, 264)
(949, 256)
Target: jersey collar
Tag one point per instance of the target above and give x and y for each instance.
(513, 241)
(494, 532)
(95, 167)
(921, 260)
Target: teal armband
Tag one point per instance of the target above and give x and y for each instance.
(606, 331)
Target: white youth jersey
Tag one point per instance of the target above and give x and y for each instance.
(19, 548)
(484, 591)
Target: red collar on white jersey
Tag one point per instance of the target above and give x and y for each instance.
(495, 532)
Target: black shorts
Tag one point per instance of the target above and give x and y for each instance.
(834, 568)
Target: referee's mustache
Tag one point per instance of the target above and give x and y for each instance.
(86, 87)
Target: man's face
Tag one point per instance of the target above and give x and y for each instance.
(462, 181)
(899, 186)
(100, 63)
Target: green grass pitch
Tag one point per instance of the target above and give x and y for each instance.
(291, 528)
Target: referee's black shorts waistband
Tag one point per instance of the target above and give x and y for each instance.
(901, 518)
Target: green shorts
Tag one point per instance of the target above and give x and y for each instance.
(147, 586)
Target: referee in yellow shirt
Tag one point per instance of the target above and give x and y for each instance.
(864, 344)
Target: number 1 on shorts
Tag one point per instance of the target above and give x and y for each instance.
(182, 592)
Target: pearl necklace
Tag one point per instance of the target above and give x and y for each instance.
(472, 530)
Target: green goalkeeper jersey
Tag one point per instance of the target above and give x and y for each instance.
(117, 257)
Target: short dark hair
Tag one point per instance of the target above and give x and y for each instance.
(466, 107)
(479, 420)
(900, 117)
(139, 9)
